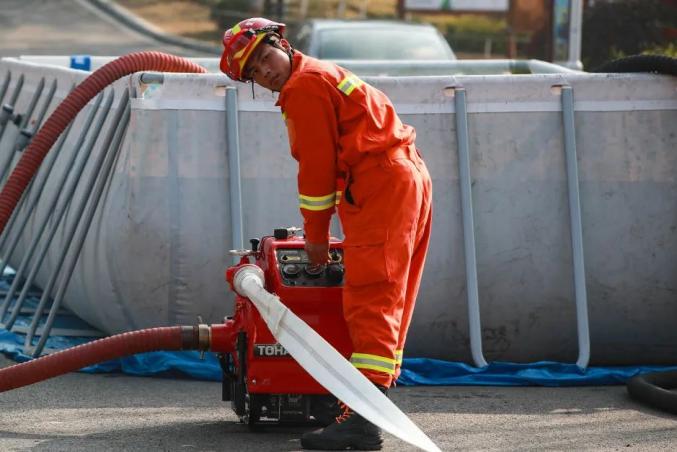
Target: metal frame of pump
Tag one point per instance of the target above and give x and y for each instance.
(262, 381)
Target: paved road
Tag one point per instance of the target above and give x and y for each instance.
(65, 27)
(113, 412)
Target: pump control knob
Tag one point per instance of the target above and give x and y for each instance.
(335, 273)
(314, 271)
(255, 244)
(291, 270)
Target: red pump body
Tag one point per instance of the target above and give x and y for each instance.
(263, 382)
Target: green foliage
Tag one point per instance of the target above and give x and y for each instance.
(626, 27)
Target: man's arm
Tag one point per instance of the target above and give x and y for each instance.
(313, 136)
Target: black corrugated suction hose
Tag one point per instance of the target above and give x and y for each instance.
(654, 389)
(660, 64)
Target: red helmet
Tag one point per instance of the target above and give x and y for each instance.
(240, 41)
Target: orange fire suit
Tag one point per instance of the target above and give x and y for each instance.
(340, 128)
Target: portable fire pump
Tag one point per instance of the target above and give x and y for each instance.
(262, 381)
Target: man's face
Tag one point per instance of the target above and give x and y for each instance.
(268, 66)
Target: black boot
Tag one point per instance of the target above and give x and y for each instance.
(350, 431)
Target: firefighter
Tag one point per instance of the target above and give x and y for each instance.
(345, 133)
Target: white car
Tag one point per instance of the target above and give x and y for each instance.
(371, 40)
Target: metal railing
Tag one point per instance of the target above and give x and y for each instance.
(473, 300)
(475, 325)
(101, 172)
(235, 181)
(66, 184)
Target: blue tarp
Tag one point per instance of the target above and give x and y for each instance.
(422, 371)
(415, 371)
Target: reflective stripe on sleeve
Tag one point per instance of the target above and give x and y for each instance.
(373, 362)
(348, 84)
(317, 202)
(338, 197)
(398, 356)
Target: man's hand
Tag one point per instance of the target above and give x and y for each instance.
(318, 253)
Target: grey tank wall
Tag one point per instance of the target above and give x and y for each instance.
(158, 246)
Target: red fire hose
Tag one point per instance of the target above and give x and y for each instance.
(69, 108)
(152, 339)
(219, 338)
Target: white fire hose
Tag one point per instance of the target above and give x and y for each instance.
(325, 364)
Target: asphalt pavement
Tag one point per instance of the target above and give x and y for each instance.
(67, 27)
(114, 412)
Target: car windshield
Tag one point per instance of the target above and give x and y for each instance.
(382, 44)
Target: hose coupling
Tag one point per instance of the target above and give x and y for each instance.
(204, 334)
